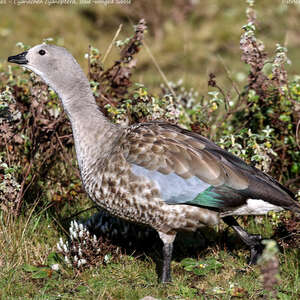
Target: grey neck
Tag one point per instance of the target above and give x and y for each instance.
(93, 134)
(79, 102)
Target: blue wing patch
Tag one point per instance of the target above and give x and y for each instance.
(177, 190)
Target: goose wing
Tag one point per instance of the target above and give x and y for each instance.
(190, 169)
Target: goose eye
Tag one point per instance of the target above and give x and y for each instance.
(42, 52)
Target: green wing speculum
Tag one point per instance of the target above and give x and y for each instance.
(207, 198)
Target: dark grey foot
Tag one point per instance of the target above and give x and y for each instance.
(251, 240)
(256, 248)
(166, 269)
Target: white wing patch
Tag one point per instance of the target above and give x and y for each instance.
(173, 188)
(253, 207)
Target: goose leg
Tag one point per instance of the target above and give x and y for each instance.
(251, 240)
(168, 240)
(167, 256)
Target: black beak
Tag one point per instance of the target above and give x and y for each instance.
(19, 58)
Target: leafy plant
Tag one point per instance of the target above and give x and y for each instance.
(201, 267)
(44, 271)
(84, 250)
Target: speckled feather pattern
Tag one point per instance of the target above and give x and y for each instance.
(106, 173)
(106, 160)
(134, 198)
(160, 146)
(106, 153)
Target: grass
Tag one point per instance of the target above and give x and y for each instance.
(29, 240)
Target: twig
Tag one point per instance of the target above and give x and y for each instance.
(37, 172)
(82, 211)
(297, 134)
(31, 212)
(65, 155)
(289, 235)
(20, 195)
(6, 148)
(229, 114)
(159, 69)
(108, 100)
(111, 44)
(290, 181)
(89, 63)
(228, 74)
(227, 107)
(61, 227)
(65, 136)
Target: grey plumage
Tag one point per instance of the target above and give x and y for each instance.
(109, 157)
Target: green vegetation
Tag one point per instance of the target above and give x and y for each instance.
(250, 107)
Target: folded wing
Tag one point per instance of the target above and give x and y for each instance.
(191, 169)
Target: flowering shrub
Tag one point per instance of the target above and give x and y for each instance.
(84, 249)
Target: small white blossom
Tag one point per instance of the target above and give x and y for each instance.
(76, 225)
(107, 258)
(58, 247)
(81, 262)
(67, 260)
(55, 267)
(65, 248)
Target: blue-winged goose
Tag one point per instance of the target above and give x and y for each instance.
(155, 173)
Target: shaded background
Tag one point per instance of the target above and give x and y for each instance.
(188, 38)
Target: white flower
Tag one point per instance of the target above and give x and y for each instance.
(55, 267)
(95, 238)
(81, 262)
(107, 258)
(71, 230)
(58, 247)
(67, 260)
(75, 225)
(65, 248)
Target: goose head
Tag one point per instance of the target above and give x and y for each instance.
(56, 66)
